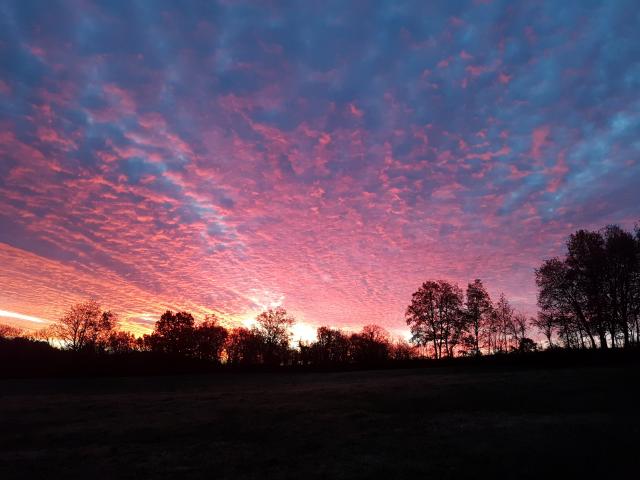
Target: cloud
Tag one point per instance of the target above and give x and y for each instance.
(223, 156)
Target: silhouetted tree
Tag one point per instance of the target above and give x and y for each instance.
(210, 338)
(622, 267)
(586, 262)
(478, 307)
(369, 346)
(243, 347)
(272, 327)
(501, 327)
(331, 347)
(635, 299)
(526, 344)
(174, 334)
(560, 298)
(304, 355)
(594, 292)
(85, 327)
(46, 334)
(435, 316)
(517, 329)
(402, 350)
(120, 342)
(145, 343)
(546, 324)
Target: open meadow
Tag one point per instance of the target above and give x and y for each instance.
(441, 422)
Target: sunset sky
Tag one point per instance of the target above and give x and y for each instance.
(324, 156)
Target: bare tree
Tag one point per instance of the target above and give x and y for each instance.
(501, 324)
(8, 331)
(46, 334)
(84, 326)
(518, 329)
(545, 323)
(400, 349)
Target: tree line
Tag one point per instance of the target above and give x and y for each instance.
(448, 322)
(86, 329)
(590, 297)
(442, 321)
(587, 299)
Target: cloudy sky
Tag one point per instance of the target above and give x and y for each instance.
(324, 156)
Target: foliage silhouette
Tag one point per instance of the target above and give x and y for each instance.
(591, 297)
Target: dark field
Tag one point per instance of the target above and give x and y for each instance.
(432, 422)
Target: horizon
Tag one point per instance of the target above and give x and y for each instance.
(227, 158)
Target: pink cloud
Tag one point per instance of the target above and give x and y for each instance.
(539, 140)
(557, 173)
(486, 156)
(5, 89)
(49, 135)
(355, 111)
(476, 70)
(504, 78)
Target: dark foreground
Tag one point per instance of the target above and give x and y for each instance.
(437, 423)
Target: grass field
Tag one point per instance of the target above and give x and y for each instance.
(432, 422)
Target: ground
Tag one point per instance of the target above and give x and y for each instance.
(435, 422)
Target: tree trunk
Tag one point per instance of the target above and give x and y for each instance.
(625, 333)
(603, 340)
(476, 329)
(625, 330)
(582, 321)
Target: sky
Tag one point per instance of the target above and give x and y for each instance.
(327, 156)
